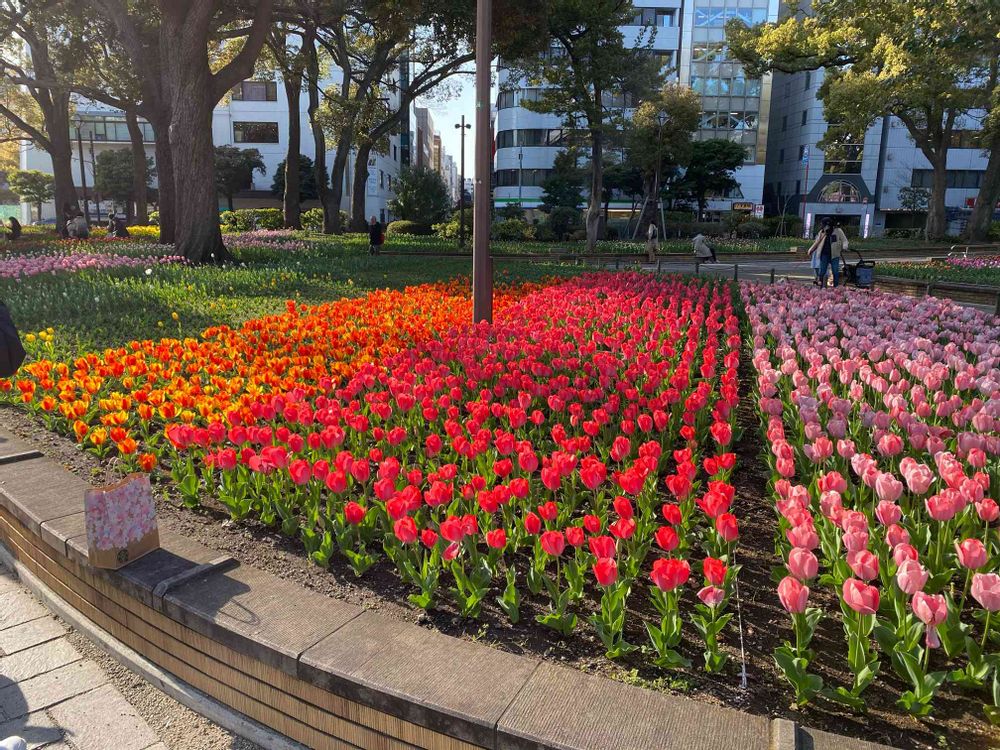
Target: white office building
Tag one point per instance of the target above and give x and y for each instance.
(254, 116)
(864, 184)
(689, 38)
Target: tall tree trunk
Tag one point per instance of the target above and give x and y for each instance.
(291, 200)
(596, 187)
(166, 201)
(189, 83)
(345, 141)
(978, 228)
(140, 176)
(359, 222)
(937, 222)
(61, 152)
(319, 138)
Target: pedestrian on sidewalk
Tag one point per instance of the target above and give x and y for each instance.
(375, 237)
(652, 241)
(830, 242)
(702, 250)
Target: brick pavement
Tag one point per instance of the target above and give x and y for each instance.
(50, 694)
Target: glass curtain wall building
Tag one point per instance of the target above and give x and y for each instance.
(689, 37)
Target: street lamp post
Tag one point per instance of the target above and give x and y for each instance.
(661, 119)
(461, 193)
(520, 177)
(78, 121)
(482, 270)
(93, 165)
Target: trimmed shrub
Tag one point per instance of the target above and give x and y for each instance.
(312, 220)
(512, 230)
(408, 227)
(753, 230)
(154, 218)
(249, 219)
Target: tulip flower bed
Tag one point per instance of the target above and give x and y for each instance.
(529, 459)
(976, 270)
(117, 402)
(881, 415)
(25, 265)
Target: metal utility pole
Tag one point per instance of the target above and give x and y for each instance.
(461, 193)
(93, 165)
(83, 171)
(805, 187)
(482, 266)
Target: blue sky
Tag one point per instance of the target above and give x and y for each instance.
(449, 112)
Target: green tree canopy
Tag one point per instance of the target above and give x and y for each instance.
(307, 179)
(564, 186)
(711, 168)
(421, 196)
(114, 174)
(926, 62)
(234, 168)
(32, 186)
(591, 77)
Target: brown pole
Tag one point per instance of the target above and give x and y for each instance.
(482, 272)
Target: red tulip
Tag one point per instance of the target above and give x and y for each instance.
(672, 514)
(300, 471)
(428, 537)
(592, 524)
(553, 543)
(575, 536)
(354, 514)
(532, 523)
(623, 528)
(715, 570)
(711, 596)
(452, 529)
(406, 530)
(623, 507)
(666, 538)
(496, 538)
(727, 527)
(548, 511)
(602, 546)
(605, 571)
(669, 573)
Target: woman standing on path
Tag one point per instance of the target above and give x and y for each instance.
(830, 242)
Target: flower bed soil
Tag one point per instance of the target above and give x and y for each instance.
(958, 723)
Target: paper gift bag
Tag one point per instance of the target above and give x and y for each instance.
(121, 522)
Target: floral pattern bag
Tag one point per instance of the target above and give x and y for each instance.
(121, 522)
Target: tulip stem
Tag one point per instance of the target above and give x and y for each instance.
(986, 629)
(965, 592)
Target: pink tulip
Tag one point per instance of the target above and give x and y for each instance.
(941, 507)
(986, 590)
(855, 541)
(896, 535)
(803, 536)
(860, 597)
(863, 563)
(711, 596)
(911, 576)
(792, 595)
(988, 510)
(888, 488)
(888, 513)
(919, 479)
(932, 610)
(802, 564)
(971, 554)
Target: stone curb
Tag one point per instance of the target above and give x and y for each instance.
(464, 694)
(177, 689)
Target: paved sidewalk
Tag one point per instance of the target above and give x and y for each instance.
(50, 694)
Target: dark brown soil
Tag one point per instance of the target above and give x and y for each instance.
(959, 721)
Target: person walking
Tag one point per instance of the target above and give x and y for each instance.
(375, 236)
(702, 250)
(652, 241)
(15, 229)
(830, 242)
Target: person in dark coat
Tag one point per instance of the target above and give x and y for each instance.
(117, 228)
(15, 229)
(375, 237)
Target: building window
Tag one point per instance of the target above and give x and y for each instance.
(784, 123)
(802, 153)
(508, 99)
(843, 158)
(716, 18)
(255, 91)
(966, 138)
(529, 177)
(798, 187)
(395, 153)
(805, 116)
(809, 79)
(110, 128)
(781, 156)
(839, 192)
(255, 132)
(958, 179)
